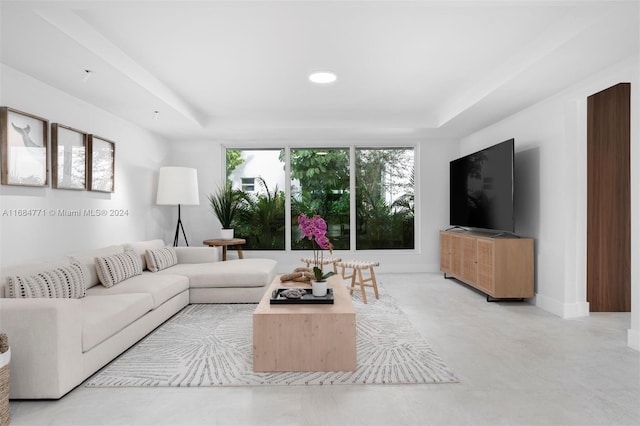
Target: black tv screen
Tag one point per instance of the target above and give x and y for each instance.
(481, 189)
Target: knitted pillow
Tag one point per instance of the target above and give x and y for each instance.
(68, 282)
(160, 259)
(117, 268)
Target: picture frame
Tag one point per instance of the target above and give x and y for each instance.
(24, 148)
(102, 155)
(69, 157)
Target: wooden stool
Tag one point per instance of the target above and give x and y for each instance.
(358, 266)
(327, 260)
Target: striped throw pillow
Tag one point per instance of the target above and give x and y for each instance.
(160, 259)
(118, 267)
(69, 282)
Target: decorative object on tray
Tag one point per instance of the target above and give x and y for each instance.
(24, 148)
(225, 204)
(299, 275)
(293, 293)
(300, 296)
(5, 364)
(315, 229)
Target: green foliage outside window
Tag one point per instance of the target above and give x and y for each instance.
(233, 160)
(384, 199)
(261, 221)
(323, 176)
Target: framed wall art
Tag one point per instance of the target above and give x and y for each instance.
(24, 148)
(68, 157)
(102, 155)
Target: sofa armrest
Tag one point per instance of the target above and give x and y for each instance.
(45, 336)
(197, 254)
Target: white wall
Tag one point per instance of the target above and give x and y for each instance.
(139, 154)
(551, 189)
(432, 177)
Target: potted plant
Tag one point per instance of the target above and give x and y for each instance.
(225, 204)
(315, 229)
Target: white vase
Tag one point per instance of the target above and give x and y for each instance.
(319, 288)
(227, 234)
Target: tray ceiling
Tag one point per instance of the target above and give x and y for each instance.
(238, 70)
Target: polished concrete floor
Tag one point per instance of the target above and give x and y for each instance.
(517, 365)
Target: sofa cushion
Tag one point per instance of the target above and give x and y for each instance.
(161, 287)
(140, 247)
(231, 273)
(67, 281)
(160, 259)
(197, 254)
(88, 257)
(118, 267)
(104, 316)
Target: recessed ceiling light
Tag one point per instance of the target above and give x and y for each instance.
(323, 77)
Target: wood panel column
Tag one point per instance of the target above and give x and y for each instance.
(609, 200)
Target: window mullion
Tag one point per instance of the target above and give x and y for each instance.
(352, 198)
(287, 201)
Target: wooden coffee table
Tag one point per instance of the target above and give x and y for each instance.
(305, 337)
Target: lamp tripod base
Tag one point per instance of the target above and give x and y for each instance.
(179, 228)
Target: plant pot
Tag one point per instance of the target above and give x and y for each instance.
(227, 234)
(319, 288)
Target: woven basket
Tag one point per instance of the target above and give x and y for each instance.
(5, 358)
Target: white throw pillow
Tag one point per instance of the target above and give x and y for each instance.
(63, 282)
(160, 259)
(117, 268)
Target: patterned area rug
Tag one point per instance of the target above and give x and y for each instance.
(211, 345)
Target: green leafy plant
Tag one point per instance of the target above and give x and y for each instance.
(226, 203)
(261, 220)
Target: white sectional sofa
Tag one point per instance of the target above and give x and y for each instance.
(57, 343)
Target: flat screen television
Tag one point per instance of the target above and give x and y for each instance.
(481, 189)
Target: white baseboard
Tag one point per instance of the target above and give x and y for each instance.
(564, 310)
(633, 339)
(576, 310)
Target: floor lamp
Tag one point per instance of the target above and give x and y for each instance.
(178, 186)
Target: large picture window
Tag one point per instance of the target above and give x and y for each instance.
(384, 198)
(260, 175)
(320, 183)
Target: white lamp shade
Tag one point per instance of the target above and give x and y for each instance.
(178, 185)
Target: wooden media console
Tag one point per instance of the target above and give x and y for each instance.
(499, 266)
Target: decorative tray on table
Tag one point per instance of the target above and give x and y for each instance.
(299, 296)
